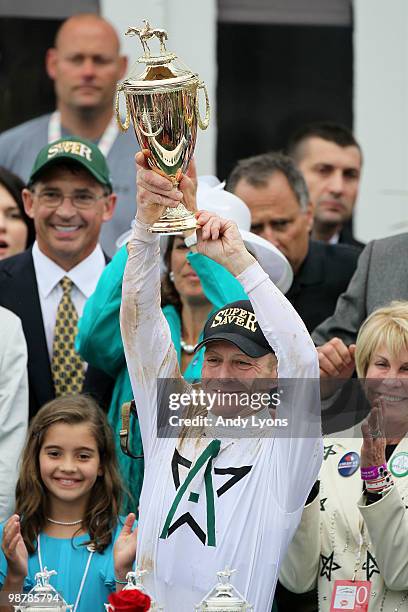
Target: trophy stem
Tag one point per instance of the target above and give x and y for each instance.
(174, 222)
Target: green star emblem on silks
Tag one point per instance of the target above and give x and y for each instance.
(206, 457)
(204, 460)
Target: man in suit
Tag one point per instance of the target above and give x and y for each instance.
(85, 65)
(381, 276)
(69, 196)
(277, 196)
(330, 160)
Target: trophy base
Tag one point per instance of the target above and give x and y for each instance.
(174, 222)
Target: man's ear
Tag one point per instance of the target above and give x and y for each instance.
(51, 63)
(309, 212)
(28, 201)
(109, 207)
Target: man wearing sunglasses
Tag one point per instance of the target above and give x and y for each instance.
(69, 196)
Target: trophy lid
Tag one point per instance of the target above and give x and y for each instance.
(162, 71)
(224, 596)
(43, 596)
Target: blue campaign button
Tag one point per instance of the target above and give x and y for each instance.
(348, 464)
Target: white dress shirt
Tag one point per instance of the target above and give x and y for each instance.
(84, 277)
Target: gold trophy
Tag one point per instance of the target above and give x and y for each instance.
(163, 104)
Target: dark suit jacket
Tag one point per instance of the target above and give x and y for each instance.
(19, 293)
(346, 237)
(323, 276)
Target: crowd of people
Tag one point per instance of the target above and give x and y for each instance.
(273, 297)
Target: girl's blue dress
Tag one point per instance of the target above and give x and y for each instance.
(69, 559)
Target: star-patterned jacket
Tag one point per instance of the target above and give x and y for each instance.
(327, 543)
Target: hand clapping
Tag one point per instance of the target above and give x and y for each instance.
(14, 549)
(374, 440)
(124, 551)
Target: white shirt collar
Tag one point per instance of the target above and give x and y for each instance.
(84, 275)
(335, 238)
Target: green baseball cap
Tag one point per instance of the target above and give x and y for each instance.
(80, 150)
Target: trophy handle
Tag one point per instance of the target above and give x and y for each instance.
(122, 126)
(203, 123)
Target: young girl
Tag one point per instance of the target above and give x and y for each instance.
(67, 508)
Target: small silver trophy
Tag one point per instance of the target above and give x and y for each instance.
(43, 597)
(135, 582)
(224, 597)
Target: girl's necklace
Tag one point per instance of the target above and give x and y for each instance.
(67, 524)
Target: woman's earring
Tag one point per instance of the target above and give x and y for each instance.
(171, 276)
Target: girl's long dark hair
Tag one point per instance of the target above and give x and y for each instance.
(102, 513)
(14, 186)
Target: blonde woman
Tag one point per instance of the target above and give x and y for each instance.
(356, 527)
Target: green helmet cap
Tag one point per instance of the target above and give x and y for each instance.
(84, 152)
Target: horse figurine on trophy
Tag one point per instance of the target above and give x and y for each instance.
(146, 33)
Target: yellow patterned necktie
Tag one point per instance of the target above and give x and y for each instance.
(66, 365)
